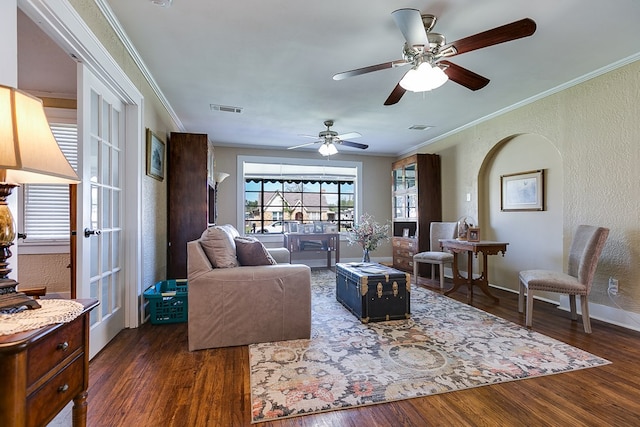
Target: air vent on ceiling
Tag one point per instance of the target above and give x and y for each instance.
(420, 127)
(226, 108)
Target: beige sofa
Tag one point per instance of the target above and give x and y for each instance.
(242, 305)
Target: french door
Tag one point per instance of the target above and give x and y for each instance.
(99, 270)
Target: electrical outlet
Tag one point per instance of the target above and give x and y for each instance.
(613, 286)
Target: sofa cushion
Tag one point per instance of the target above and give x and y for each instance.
(251, 251)
(219, 246)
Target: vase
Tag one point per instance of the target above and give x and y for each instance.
(365, 256)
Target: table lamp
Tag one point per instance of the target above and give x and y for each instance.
(29, 154)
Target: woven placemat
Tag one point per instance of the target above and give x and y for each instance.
(51, 311)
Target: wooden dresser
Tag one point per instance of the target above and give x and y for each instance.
(404, 248)
(43, 369)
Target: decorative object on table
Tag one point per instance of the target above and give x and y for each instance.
(523, 191)
(331, 228)
(155, 156)
(368, 234)
(446, 346)
(464, 223)
(29, 154)
(218, 177)
(473, 234)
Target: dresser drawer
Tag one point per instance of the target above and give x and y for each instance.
(403, 263)
(53, 349)
(403, 253)
(55, 393)
(404, 243)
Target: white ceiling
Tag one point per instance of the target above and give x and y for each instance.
(275, 59)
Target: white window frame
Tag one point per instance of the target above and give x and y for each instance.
(241, 160)
(31, 247)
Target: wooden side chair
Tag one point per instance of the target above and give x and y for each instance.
(585, 251)
(435, 256)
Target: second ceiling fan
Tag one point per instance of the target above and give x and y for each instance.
(425, 52)
(330, 138)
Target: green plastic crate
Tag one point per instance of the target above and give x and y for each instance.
(168, 301)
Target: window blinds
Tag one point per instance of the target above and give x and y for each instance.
(46, 206)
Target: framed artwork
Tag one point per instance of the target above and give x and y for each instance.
(473, 234)
(405, 232)
(155, 156)
(522, 191)
(318, 227)
(331, 228)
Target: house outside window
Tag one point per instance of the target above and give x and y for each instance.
(282, 197)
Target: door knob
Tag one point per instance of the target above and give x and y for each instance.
(88, 232)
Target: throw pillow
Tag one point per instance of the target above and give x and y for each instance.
(251, 251)
(219, 246)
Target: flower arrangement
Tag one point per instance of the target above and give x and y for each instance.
(368, 233)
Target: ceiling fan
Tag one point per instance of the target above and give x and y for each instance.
(425, 52)
(330, 139)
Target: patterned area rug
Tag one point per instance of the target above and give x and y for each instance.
(445, 346)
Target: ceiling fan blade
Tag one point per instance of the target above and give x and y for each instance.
(464, 77)
(303, 145)
(369, 69)
(396, 95)
(349, 135)
(353, 144)
(515, 30)
(409, 21)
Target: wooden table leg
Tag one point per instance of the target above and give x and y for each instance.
(483, 280)
(470, 280)
(79, 410)
(457, 277)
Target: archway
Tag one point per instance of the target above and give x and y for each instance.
(535, 237)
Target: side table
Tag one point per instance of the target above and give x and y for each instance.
(44, 369)
(472, 248)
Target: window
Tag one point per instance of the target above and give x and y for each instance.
(46, 206)
(279, 196)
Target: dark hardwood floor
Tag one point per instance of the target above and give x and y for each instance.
(147, 377)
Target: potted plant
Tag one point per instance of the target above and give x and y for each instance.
(368, 234)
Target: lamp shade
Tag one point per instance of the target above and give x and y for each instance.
(423, 78)
(220, 176)
(29, 154)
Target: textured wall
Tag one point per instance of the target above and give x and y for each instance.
(50, 270)
(594, 128)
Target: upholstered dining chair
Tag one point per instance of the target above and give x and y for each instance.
(435, 256)
(585, 251)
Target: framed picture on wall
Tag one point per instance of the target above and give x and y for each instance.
(522, 191)
(155, 156)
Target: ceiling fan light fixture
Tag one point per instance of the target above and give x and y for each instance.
(423, 77)
(328, 149)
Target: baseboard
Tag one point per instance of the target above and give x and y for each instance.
(613, 315)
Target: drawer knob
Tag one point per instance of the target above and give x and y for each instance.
(63, 388)
(63, 346)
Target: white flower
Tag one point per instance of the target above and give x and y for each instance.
(368, 233)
